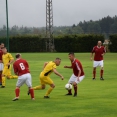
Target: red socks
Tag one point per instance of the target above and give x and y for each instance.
(75, 89)
(32, 93)
(101, 73)
(17, 91)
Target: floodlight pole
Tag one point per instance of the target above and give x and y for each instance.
(7, 39)
(49, 27)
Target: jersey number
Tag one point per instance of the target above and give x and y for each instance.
(22, 66)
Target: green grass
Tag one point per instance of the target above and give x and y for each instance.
(95, 98)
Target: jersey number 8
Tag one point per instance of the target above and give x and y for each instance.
(22, 66)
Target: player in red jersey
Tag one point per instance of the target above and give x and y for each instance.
(21, 68)
(78, 73)
(1, 62)
(99, 52)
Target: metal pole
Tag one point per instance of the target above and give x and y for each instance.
(7, 40)
(49, 26)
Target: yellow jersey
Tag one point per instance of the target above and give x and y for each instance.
(49, 68)
(6, 58)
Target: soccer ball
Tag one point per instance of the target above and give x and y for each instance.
(68, 86)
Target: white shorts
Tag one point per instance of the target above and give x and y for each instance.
(98, 63)
(26, 78)
(1, 66)
(73, 78)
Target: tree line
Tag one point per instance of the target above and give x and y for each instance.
(105, 26)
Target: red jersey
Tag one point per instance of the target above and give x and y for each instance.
(21, 67)
(1, 53)
(98, 52)
(76, 66)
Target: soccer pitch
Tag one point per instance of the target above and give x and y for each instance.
(95, 98)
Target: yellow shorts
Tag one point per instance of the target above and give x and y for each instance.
(6, 71)
(45, 79)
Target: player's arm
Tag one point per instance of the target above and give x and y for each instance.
(68, 67)
(79, 75)
(104, 51)
(57, 73)
(91, 56)
(15, 70)
(1, 59)
(11, 59)
(93, 51)
(103, 54)
(45, 64)
(79, 72)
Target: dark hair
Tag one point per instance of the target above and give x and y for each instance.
(58, 58)
(17, 55)
(1, 43)
(72, 53)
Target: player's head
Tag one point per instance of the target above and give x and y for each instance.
(71, 56)
(4, 49)
(1, 45)
(18, 55)
(99, 43)
(57, 61)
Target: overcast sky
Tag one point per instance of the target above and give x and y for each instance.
(65, 12)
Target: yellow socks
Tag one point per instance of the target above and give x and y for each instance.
(40, 87)
(3, 81)
(37, 87)
(49, 91)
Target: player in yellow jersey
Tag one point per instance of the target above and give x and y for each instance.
(48, 68)
(7, 59)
